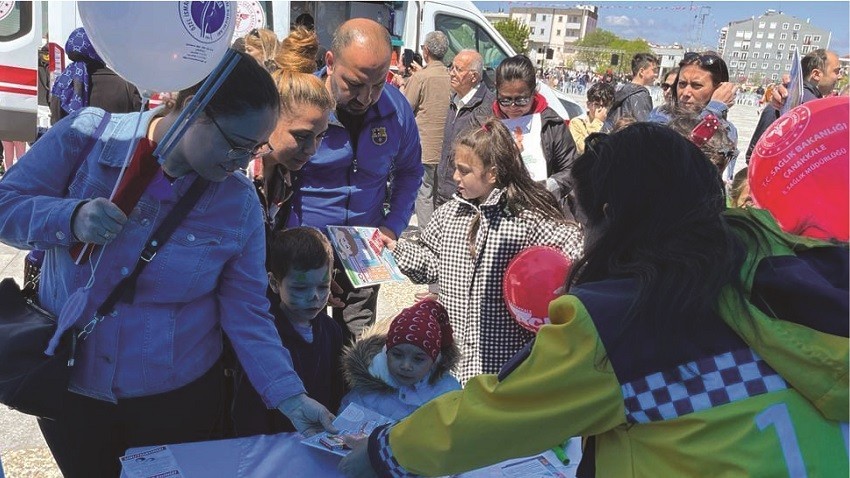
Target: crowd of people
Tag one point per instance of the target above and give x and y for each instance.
(681, 316)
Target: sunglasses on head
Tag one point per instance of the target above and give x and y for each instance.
(709, 61)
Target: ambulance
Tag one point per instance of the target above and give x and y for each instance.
(26, 26)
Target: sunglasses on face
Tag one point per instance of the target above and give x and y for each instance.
(666, 86)
(709, 62)
(518, 101)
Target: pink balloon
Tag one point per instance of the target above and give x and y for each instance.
(530, 282)
(799, 169)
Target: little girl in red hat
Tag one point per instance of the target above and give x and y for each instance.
(394, 370)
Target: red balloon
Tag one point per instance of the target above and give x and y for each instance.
(799, 169)
(530, 283)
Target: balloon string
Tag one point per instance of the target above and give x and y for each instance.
(94, 265)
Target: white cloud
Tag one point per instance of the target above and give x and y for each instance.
(621, 21)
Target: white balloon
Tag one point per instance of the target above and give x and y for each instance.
(160, 46)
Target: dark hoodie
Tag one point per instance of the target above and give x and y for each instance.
(630, 100)
(559, 149)
(317, 364)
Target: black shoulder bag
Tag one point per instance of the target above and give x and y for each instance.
(34, 383)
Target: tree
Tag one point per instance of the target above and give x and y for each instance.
(605, 40)
(515, 33)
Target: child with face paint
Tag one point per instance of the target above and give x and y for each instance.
(395, 370)
(300, 269)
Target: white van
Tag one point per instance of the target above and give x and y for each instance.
(20, 39)
(408, 22)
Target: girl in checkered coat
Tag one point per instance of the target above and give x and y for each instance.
(694, 341)
(497, 212)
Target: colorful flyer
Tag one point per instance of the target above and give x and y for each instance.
(365, 259)
(354, 420)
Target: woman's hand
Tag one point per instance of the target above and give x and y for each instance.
(98, 221)
(387, 237)
(356, 464)
(725, 93)
(307, 415)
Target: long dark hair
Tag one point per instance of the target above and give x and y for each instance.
(654, 202)
(494, 145)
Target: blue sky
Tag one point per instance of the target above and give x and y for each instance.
(668, 22)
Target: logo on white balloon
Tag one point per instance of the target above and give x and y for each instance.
(206, 22)
(249, 15)
(6, 8)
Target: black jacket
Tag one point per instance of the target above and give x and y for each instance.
(631, 100)
(559, 148)
(472, 115)
(318, 364)
(769, 115)
(107, 91)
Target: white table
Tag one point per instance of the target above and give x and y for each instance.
(281, 455)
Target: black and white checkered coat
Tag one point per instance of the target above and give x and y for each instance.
(471, 287)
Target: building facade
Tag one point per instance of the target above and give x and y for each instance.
(760, 49)
(552, 29)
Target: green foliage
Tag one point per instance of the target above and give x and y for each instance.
(603, 39)
(515, 33)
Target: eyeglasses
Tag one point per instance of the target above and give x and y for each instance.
(666, 86)
(455, 69)
(518, 101)
(711, 62)
(239, 152)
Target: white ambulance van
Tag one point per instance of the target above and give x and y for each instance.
(24, 25)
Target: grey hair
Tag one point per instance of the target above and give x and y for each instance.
(437, 44)
(476, 63)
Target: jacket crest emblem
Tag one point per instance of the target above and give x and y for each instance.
(379, 135)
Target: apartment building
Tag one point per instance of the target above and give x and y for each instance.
(760, 49)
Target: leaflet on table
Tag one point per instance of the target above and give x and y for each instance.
(354, 420)
(365, 259)
(543, 465)
(157, 462)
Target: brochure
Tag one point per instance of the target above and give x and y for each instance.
(354, 420)
(363, 255)
(156, 462)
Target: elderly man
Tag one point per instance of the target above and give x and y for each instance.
(633, 99)
(371, 138)
(471, 104)
(427, 92)
(821, 71)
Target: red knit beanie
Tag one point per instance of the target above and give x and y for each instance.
(425, 324)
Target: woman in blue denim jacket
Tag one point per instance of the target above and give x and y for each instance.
(149, 373)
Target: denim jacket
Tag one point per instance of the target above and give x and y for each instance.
(208, 278)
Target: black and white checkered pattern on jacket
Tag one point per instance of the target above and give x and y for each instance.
(471, 288)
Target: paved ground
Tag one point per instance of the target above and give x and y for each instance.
(22, 449)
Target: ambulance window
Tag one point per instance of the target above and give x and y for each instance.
(15, 20)
(463, 33)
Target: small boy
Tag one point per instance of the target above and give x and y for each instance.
(600, 97)
(300, 270)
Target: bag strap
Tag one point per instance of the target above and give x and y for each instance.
(127, 287)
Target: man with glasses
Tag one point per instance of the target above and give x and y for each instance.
(371, 153)
(471, 105)
(633, 99)
(821, 71)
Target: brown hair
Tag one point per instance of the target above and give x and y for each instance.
(264, 40)
(296, 61)
(299, 248)
(719, 149)
(494, 145)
